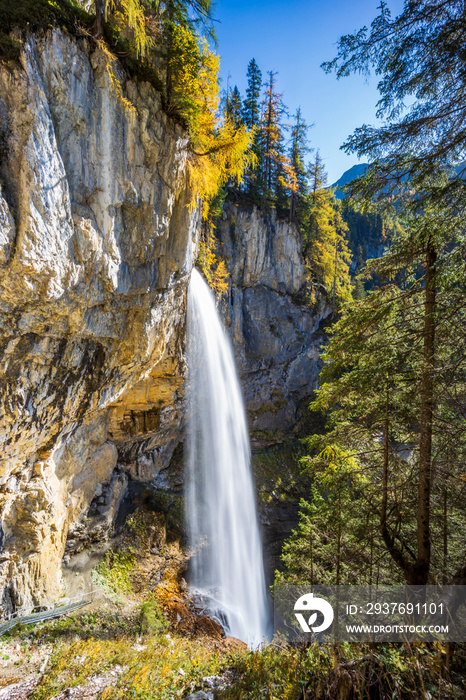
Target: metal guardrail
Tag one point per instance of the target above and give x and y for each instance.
(58, 609)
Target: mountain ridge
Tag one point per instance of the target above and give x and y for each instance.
(352, 173)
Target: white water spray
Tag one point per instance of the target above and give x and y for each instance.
(221, 512)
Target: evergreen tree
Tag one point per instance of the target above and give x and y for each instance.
(336, 540)
(278, 176)
(317, 176)
(298, 151)
(272, 109)
(251, 105)
(420, 58)
(251, 118)
(317, 199)
(394, 382)
(234, 107)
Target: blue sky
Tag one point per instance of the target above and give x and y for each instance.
(294, 38)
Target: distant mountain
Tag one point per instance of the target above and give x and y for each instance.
(360, 168)
(351, 174)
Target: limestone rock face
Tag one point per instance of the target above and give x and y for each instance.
(96, 246)
(275, 333)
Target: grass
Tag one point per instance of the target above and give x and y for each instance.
(151, 661)
(152, 618)
(159, 668)
(379, 671)
(128, 568)
(96, 624)
(114, 570)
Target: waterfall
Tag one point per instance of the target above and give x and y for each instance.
(227, 565)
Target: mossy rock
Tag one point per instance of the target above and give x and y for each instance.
(34, 16)
(152, 619)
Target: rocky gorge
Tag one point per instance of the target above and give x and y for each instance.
(97, 243)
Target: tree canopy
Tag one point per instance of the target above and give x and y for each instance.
(419, 56)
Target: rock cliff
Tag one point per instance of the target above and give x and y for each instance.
(96, 247)
(95, 255)
(275, 333)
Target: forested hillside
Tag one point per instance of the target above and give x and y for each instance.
(391, 463)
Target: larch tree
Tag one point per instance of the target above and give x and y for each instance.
(129, 17)
(279, 178)
(328, 255)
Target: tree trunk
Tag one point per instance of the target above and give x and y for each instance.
(312, 557)
(338, 541)
(335, 274)
(421, 569)
(100, 6)
(293, 206)
(445, 535)
(394, 550)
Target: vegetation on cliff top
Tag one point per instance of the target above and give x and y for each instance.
(281, 177)
(36, 15)
(158, 42)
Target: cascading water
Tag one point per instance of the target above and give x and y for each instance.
(227, 565)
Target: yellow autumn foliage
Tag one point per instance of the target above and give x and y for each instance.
(214, 267)
(219, 151)
(128, 16)
(329, 255)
